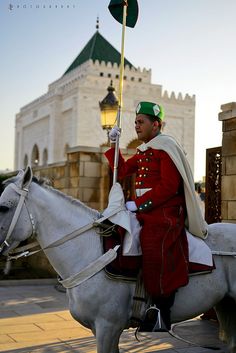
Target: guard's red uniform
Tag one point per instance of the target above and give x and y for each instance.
(161, 212)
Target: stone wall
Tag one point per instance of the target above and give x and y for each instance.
(82, 175)
(228, 186)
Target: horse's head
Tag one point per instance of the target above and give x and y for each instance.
(15, 220)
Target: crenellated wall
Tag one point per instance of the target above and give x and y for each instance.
(68, 115)
(228, 185)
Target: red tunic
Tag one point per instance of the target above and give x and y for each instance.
(161, 212)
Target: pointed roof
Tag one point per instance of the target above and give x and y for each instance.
(97, 48)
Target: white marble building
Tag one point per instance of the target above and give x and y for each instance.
(68, 115)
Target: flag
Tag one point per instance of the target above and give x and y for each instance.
(116, 9)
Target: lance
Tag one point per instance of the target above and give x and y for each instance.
(126, 13)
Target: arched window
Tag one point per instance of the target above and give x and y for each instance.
(26, 160)
(35, 156)
(45, 156)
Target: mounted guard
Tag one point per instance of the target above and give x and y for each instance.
(165, 195)
(165, 204)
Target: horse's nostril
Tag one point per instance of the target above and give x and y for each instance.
(4, 208)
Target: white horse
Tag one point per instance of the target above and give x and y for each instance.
(98, 303)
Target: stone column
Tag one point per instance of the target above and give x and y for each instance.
(228, 185)
(19, 153)
(54, 139)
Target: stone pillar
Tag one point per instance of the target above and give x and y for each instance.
(228, 185)
(54, 135)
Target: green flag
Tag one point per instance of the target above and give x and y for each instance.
(116, 9)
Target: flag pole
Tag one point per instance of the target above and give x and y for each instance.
(121, 80)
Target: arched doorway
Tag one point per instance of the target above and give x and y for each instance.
(45, 156)
(26, 160)
(67, 146)
(35, 156)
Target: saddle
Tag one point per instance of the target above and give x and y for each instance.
(127, 268)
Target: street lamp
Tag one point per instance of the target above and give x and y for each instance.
(109, 107)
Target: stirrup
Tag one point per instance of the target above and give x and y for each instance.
(160, 325)
(152, 321)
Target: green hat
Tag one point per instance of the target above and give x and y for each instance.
(149, 108)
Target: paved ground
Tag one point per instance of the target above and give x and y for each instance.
(34, 318)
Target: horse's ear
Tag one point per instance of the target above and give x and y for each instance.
(27, 178)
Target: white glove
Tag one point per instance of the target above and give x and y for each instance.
(131, 206)
(115, 131)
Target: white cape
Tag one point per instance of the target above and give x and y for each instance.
(125, 219)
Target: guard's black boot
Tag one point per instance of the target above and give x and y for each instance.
(152, 321)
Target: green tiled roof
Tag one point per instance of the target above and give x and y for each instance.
(97, 48)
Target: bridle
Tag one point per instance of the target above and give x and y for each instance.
(23, 250)
(22, 201)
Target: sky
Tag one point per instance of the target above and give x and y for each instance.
(188, 44)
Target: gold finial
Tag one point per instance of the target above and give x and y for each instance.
(97, 24)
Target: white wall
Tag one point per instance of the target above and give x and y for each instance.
(69, 112)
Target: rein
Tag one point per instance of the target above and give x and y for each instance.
(67, 237)
(176, 336)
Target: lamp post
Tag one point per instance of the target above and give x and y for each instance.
(109, 106)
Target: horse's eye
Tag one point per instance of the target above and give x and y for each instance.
(4, 208)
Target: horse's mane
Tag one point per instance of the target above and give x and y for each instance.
(46, 184)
